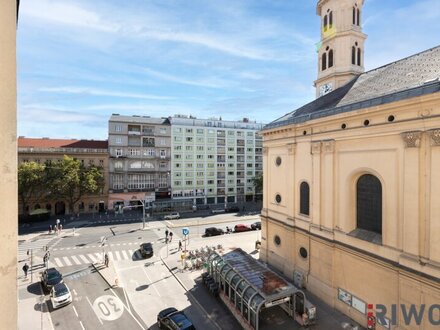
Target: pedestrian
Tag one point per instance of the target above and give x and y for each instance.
(61, 227)
(25, 269)
(106, 259)
(180, 245)
(50, 229)
(171, 236)
(166, 234)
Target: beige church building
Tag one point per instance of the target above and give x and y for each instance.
(351, 208)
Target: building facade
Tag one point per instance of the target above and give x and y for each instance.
(88, 152)
(351, 207)
(139, 163)
(8, 161)
(214, 161)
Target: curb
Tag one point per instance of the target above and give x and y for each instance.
(183, 223)
(103, 277)
(189, 292)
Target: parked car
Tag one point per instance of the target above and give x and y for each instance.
(60, 295)
(232, 209)
(50, 277)
(240, 227)
(172, 319)
(172, 216)
(213, 211)
(146, 250)
(256, 225)
(213, 231)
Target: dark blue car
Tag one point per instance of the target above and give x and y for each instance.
(171, 318)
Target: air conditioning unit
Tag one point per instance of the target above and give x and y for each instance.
(299, 279)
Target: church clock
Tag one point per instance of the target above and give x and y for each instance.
(326, 88)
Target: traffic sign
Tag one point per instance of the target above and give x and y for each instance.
(185, 231)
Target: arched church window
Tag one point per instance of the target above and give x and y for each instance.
(304, 198)
(330, 58)
(359, 56)
(325, 22)
(369, 203)
(324, 61)
(354, 16)
(353, 55)
(330, 19)
(358, 17)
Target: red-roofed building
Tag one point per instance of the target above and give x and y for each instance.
(89, 152)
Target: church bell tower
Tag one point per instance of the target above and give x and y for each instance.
(341, 49)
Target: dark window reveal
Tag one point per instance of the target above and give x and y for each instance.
(369, 203)
(324, 61)
(277, 240)
(353, 55)
(304, 202)
(330, 58)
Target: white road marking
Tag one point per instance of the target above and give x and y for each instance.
(74, 292)
(67, 261)
(58, 262)
(93, 309)
(124, 255)
(83, 258)
(99, 257)
(110, 255)
(82, 325)
(118, 256)
(137, 321)
(75, 259)
(131, 252)
(74, 309)
(149, 284)
(91, 257)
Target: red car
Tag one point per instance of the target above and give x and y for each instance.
(239, 228)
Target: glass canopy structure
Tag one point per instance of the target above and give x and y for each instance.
(250, 286)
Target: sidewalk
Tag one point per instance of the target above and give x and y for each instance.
(33, 311)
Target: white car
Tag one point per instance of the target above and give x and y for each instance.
(171, 216)
(60, 295)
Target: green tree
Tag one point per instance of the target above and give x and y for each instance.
(70, 180)
(31, 182)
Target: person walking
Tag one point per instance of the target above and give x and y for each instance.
(166, 235)
(171, 236)
(106, 260)
(25, 269)
(180, 245)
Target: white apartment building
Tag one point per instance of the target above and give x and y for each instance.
(214, 161)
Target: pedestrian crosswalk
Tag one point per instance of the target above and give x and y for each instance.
(94, 257)
(94, 246)
(37, 247)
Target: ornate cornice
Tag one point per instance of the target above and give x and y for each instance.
(412, 139)
(316, 147)
(434, 134)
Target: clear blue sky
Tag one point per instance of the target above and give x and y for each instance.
(79, 61)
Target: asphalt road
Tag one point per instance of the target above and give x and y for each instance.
(94, 306)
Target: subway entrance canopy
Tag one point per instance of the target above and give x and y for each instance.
(247, 287)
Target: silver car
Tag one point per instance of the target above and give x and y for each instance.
(171, 216)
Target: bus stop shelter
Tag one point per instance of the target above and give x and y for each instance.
(247, 287)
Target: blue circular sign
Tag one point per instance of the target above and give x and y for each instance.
(185, 231)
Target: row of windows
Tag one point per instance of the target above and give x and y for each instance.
(50, 161)
(179, 147)
(368, 202)
(212, 132)
(137, 128)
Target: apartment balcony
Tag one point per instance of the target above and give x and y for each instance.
(240, 184)
(221, 185)
(240, 176)
(220, 192)
(258, 167)
(240, 151)
(221, 175)
(240, 166)
(148, 131)
(221, 134)
(221, 159)
(240, 159)
(221, 142)
(240, 143)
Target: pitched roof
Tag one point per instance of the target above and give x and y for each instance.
(61, 143)
(412, 76)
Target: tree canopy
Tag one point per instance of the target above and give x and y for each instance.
(66, 179)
